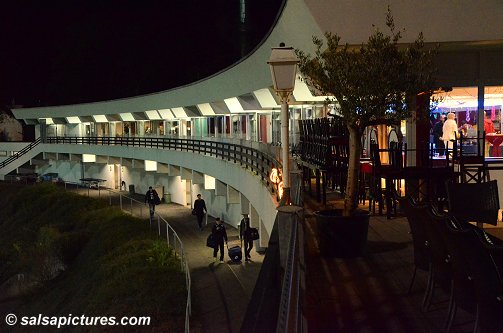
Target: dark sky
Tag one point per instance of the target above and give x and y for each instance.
(64, 52)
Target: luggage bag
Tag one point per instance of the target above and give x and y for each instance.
(235, 253)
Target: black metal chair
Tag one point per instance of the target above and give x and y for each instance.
(479, 254)
(440, 268)
(474, 202)
(390, 172)
(416, 214)
(471, 159)
(462, 293)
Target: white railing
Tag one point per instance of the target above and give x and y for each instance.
(137, 208)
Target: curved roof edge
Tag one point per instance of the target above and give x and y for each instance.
(294, 27)
(298, 21)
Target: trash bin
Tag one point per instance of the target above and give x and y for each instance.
(131, 189)
(167, 197)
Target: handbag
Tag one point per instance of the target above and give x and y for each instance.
(194, 212)
(254, 235)
(157, 200)
(210, 241)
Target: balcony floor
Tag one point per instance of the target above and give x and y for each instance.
(369, 294)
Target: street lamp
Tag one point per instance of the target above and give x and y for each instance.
(283, 64)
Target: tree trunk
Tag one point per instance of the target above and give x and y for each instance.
(355, 146)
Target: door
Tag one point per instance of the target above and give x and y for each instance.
(117, 176)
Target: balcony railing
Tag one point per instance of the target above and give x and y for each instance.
(258, 162)
(19, 153)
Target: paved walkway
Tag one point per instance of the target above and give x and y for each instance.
(220, 291)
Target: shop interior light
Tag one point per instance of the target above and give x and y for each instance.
(150, 165)
(265, 98)
(166, 114)
(99, 118)
(127, 117)
(73, 120)
(179, 112)
(233, 105)
(88, 158)
(206, 109)
(153, 115)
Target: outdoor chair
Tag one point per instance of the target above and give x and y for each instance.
(416, 214)
(474, 202)
(471, 159)
(462, 292)
(440, 268)
(390, 172)
(480, 255)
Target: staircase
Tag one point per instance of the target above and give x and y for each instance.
(18, 159)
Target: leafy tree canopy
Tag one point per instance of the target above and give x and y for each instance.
(373, 82)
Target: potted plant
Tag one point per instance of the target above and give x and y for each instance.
(375, 83)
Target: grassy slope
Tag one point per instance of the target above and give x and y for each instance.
(115, 266)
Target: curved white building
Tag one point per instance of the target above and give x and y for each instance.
(238, 104)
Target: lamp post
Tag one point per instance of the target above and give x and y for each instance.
(283, 64)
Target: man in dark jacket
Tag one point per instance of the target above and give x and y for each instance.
(219, 236)
(200, 210)
(244, 233)
(437, 133)
(151, 197)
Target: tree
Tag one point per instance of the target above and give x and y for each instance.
(371, 84)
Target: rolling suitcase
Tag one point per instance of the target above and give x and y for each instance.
(235, 253)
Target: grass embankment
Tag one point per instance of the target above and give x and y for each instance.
(114, 266)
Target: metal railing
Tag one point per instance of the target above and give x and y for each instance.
(291, 221)
(257, 161)
(137, 208)
(19, 153)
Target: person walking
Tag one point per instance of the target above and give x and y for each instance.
(219, 236)
(245, 235)
(199, 210)
(437, 136)
(152, 198)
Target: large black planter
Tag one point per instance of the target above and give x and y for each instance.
(342, 236)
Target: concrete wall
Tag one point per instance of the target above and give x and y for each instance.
(221, 201)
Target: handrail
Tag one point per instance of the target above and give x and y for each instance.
(19, 153)
(287, 322)
(180, 252)
(290, 314)
(256, 161)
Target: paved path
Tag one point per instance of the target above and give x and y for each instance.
(220, 291)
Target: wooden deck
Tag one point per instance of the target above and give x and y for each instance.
(369, 294)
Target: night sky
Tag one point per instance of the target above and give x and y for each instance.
(65, 52)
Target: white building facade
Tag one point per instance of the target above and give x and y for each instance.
(238, 107)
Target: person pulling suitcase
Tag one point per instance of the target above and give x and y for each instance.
(246, 236)
(219, 236)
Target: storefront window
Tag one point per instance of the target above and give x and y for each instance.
(252, 133)
(276, 128)
(493, 101)
(463, 102)
(147, 127)
(161, 128)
